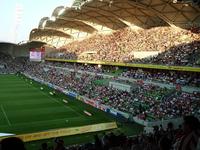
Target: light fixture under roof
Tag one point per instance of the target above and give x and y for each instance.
(53, 18)
(44, 23)
(61, 11)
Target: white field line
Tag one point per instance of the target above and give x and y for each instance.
(55, 100)
(5, 115)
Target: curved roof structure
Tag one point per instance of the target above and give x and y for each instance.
(179, 14)
(94, 16)
(78, 3)
(64, 24)
(90, 16)
(58, 10)
(127, 12)
(48, 32)
(33, 43)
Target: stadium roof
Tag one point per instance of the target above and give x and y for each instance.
(32, 43)
(8, 47)
(88, 16)
(64, 24)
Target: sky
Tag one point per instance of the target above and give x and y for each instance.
(19, 17)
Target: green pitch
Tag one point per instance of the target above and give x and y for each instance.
(25, 108)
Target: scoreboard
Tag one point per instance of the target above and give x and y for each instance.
(37, 54)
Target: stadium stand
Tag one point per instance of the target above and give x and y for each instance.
(6, 64)
(177, 47)
(145, 98)
(160, 32)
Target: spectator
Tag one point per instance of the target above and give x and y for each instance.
(191, 135)
(44, 146)
(165, 143)
(12, 143)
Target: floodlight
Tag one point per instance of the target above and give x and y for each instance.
(61, 12)
(53, 18)
(44, 23)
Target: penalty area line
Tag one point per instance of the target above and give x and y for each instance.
(5, 115)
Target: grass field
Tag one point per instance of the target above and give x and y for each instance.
(25, 108)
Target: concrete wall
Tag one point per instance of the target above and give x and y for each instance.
(144, 54)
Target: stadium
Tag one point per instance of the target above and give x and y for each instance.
(105, 75)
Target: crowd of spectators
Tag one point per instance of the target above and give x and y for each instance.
(82, 67)
(177, 105)
(6, 65)
(182, 55)
(175, 46)
(186, 137)
(147, 100)
(169, 77)
(10, 65)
